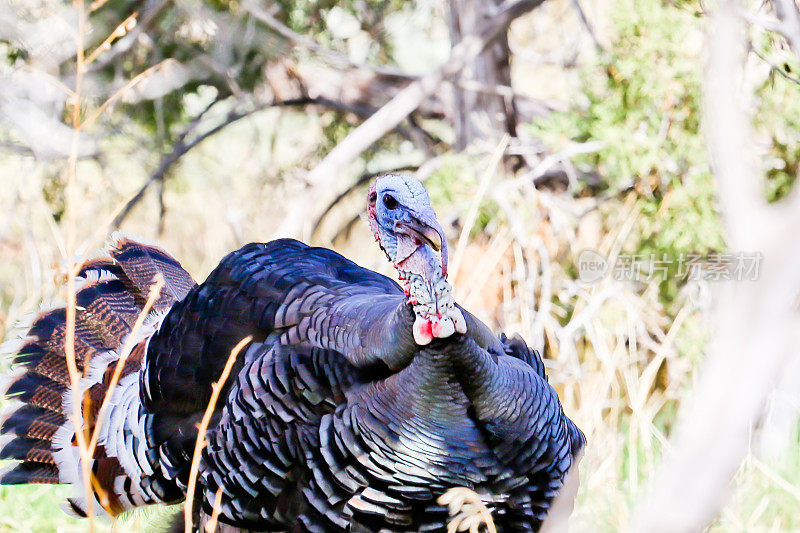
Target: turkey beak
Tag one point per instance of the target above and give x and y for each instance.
(425, 233)
(426, 228)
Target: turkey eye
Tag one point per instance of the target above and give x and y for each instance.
(389, 201)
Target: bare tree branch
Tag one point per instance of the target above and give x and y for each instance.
(790, 22)
(323, 177)
(586, 24)
(758, 327)
(776, 69)
(362, 180)
(284, 31)
(181, 146)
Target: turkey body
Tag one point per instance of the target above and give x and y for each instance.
(333, 419)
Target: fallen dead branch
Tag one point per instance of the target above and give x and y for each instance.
(211, 525)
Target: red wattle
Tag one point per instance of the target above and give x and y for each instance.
(422, 331)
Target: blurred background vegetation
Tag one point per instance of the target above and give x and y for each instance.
(580, 129)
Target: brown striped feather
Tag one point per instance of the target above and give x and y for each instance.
(45, 426)
(142, 263)
(113, 292)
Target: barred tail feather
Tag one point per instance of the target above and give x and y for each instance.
(37, 432)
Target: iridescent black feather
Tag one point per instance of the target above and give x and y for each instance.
(333, 419)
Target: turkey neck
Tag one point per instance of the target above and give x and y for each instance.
(428, 298)
(425, 284)
(456, 360)
(476, 371)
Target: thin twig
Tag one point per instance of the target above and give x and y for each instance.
(181, 147)
(545, 300)
(128, 86)
(362, 180)
(196, 120)
(49, 78)
(102, 230)
(200, 443)
(775, 68)
(586, 24)
(123, 45)
(120, 31)
(472, 287)
(790, 22)
(580, 320)
(566, 154)
(777, 479)
(19, 149)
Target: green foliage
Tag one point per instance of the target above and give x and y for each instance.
(782, 174)
(777, 117)
(53, 193)
(454, 184)
(643, 103)
(41, 511)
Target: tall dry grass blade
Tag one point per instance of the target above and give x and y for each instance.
(50, 79)
(485, 269)
(211, 525)
(71, 215)
(97, 4)
(472, 214)
(777, 479)
(124, 353)
(200, 443)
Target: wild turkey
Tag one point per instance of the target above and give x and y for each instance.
(355, 406)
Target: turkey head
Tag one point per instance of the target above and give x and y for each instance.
(405, 225)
